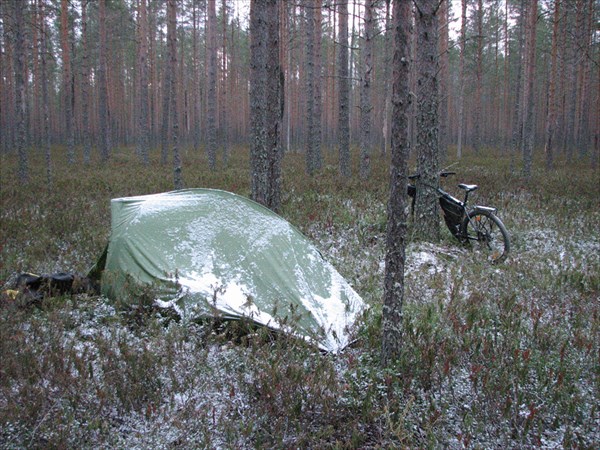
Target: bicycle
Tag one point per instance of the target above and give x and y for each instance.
(476, 224)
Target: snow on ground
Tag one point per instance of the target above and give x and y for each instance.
(203, 381)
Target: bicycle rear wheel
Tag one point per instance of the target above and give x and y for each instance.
(486, 234)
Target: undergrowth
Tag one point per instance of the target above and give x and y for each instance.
(493, 356)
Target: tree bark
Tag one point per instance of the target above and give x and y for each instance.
(313, 116)
(426, 205)
(529, 105)
(196, 87)
(365, 93)
(211, 97)
(517, 129)
(143, 131)
(344, 93)
(396, 224)
(461, 77)
(224, 126)
(444, 78)
(552, 104)
(478, 116)
(45, 99)
(172, 68)
(67, 81)
(85, 86)
(19, 85)
(266, 91)
(102, 85)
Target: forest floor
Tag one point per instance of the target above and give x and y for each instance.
(498, 356)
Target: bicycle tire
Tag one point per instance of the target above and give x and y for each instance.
(485, 229)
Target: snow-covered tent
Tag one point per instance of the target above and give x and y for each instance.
(210, 253)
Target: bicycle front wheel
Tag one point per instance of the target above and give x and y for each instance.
(486, 234)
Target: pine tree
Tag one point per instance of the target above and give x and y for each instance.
(20, 80)
(396, 224)
(344, 92)
(426, 206)
(211, 98)
(265, 103)
(365, 92)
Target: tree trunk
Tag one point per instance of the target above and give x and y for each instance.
(172, 69)
(68, 87)
(478, 116)
(517, 131)
(426, 206)
(461, 77)
(196, 88)
(444, 79)
(224, 126)
(265, 103)
(143, 131)
(102, 85)
(166, 104)
(85, 86)
(313, 116)
(529, 97)
(387, 79)
(365, 93)
(45, 99)
(211, 98)
(344, 93)
(20, 98)
(396, 224)
(551, 115)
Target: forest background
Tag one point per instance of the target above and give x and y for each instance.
(100, 74)
(97, 102)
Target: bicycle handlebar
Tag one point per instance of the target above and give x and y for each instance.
(445, 174)
(442, 174)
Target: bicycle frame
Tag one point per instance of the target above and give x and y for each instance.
(454, 210)
(476, 224)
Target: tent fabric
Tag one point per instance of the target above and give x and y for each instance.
(210, 253)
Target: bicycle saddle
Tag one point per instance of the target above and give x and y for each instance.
(468, 187)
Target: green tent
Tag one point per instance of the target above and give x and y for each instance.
(210, 253)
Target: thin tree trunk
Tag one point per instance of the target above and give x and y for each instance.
(393, 296)
(365, 93)
(36, 113)
(211, 99)
(551, 115)
(20, 98)
(224, 79)
(528, 125)
(517, 131)
(461, 76)
(584, 44)
(444, 79)
(313, 117)
(387, 79)
(67, 80)
(143, 132)
(103, 86)
(318, 107)
(344, 93)
(45, 99)
(172, 68)
(166, 104)
(196, 78)
(426, 206)
(478, 116)
(85, 86)
(506, 84)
